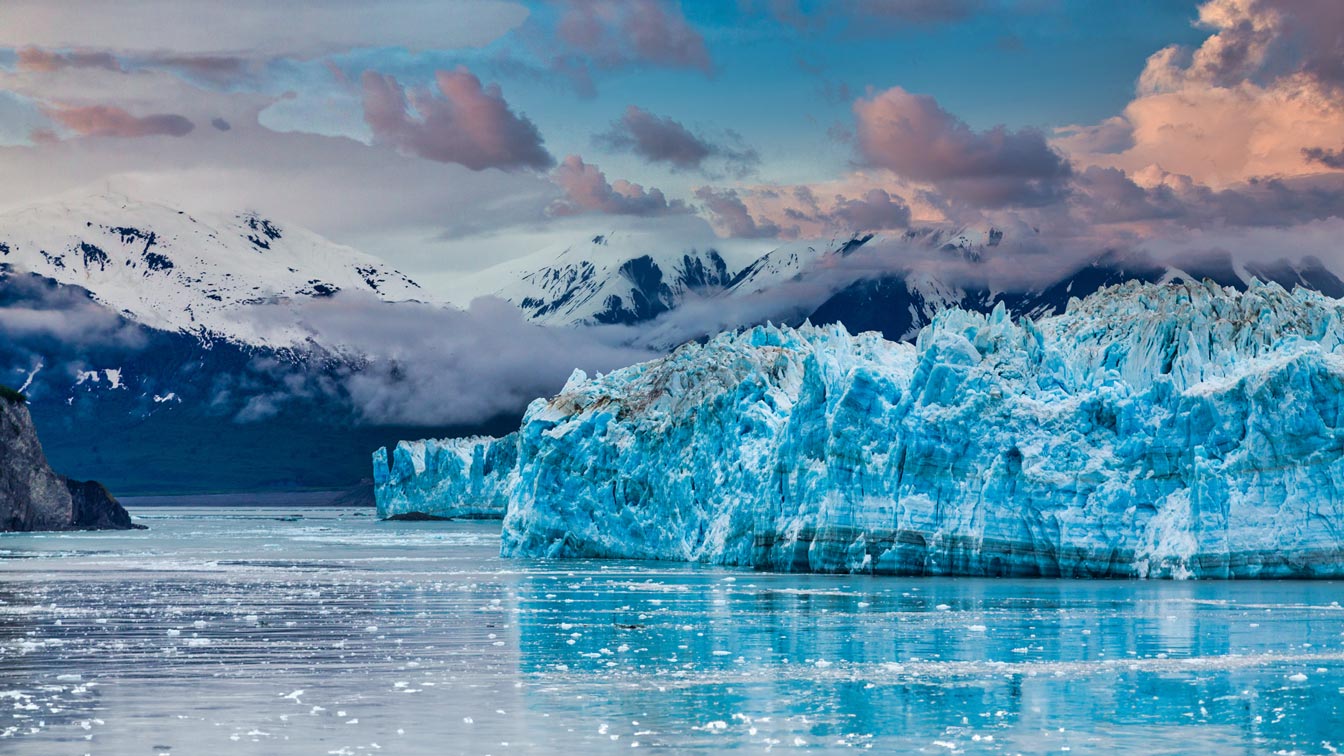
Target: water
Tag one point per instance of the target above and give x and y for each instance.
(321, 631)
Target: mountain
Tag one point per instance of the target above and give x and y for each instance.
(133, 328)
(175, 271)
(892, 284)
(609, 278)
(1151, 430)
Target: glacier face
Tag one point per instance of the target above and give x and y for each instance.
(458, 477)
(1150, 430)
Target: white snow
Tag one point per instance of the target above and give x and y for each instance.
(176, 271)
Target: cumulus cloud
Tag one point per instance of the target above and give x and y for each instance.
(915, 138)
(731, 215)
(112, 121)
(876, 210)
(660, 139)
(587, 191)
(1254, 99)
(465, 123)
(614, 34)
(254, 28)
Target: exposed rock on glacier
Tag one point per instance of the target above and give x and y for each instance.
(1150, 430)
(458, 477)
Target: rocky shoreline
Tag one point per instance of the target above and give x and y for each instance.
(33, 496)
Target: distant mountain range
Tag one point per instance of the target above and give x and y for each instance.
(135, 330)
(130, 325)
(866, 282)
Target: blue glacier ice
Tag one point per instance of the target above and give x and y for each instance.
(1172, 430)
(456, 477)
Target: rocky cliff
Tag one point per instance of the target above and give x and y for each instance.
(32, 496)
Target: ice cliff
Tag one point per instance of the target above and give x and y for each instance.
(1151, 430)
(459, 477)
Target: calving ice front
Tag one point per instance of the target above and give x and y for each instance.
(1152, 430)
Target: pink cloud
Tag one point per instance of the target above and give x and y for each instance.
(112, 121)
(1253, 100)
(730, 214)
(660, 139)
(912, 136)
(464, 123)
(614, 33)
(47, 61)
(587, 190)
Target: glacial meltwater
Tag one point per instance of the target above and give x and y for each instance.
(323, 631)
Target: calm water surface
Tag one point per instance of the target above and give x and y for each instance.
(322, 631)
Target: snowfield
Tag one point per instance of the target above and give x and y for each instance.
(180, 272)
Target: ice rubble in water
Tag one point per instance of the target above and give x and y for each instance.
(1152, 430)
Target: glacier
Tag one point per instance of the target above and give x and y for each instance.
(451, 478)
(1150, 430)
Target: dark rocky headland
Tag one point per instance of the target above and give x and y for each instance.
(32, 496)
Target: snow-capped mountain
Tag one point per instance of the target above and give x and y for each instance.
(893, 284)
(176, 271)
(133, 328)
(616, 277)
(630, 278)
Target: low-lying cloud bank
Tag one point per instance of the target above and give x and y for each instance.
(423, 364)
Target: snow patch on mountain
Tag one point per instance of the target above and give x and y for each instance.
(618, 277)
(176, 271)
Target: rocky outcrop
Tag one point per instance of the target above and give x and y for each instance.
(32, 496)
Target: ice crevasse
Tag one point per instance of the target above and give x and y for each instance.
(1172, 430)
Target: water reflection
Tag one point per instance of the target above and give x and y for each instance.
(234, 632)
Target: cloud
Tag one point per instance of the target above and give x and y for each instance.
(36, 59)
(876, 210)
(731, 215)
(1254, 99)
(465, 123)
(1326, 157)
(613, 34)
(586, 190)
(659, 139)
(405, 209)
(425, 364)
(1108, 195)
(38, 314)
(112, 121)
(1111, 136)
(254, 28)
(913, 137)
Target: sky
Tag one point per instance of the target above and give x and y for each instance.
(450, 136)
